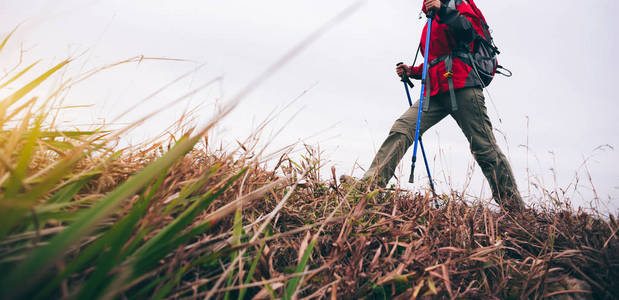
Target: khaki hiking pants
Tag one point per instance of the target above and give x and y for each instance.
(472, 118)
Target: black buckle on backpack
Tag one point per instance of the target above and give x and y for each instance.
(507, 74)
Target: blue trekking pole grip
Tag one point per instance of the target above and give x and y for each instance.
(424, 75)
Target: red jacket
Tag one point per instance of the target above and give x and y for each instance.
(452, 27)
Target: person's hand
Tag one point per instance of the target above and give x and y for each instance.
(402, 69)
(432, 5)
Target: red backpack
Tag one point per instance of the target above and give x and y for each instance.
(483, 57)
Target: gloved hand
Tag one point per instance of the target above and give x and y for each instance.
(403, 69)
(432, 5)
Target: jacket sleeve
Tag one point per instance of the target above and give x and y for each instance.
(459, 25)
(415, 72)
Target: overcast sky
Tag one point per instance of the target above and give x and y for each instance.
(561, 53)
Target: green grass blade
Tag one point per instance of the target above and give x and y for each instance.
(291, 286)
(187, 216)
(62, 170)
(14, 211)
(143, 292)
(165, 249)
(59, 145)
(28, 273)
(70, 134)
(48, 182)
(115, 240)
(271, 291)
(28, 104)
(236, 239)
(142, 231)
(168, 286)
(116, 235)
(10, 100)
(190, 188)
(136, 241)
(22, 72)
(252, 270)
(67, 193)
(158, 246)
(14, 184)
(149, 255)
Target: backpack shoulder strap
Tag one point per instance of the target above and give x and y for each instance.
(476, 10)
(487, 35)
(480, 15)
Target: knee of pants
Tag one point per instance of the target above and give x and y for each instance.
(486, 156)
(403, 127)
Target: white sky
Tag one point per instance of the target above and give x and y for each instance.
(560, 53)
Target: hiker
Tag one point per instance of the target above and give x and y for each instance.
(455, 90)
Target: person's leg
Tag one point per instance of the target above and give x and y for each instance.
(472, 117)
(401, 136)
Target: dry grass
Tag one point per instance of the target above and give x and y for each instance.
(394, 244)
(367, 244)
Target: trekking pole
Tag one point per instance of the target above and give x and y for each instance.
(411, 179)
(425, 159)
(407, 83)
(423, 89)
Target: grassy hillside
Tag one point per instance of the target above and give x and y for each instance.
(176, 219)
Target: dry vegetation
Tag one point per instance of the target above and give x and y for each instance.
(177, 219)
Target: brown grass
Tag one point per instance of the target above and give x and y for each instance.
(391, 244)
